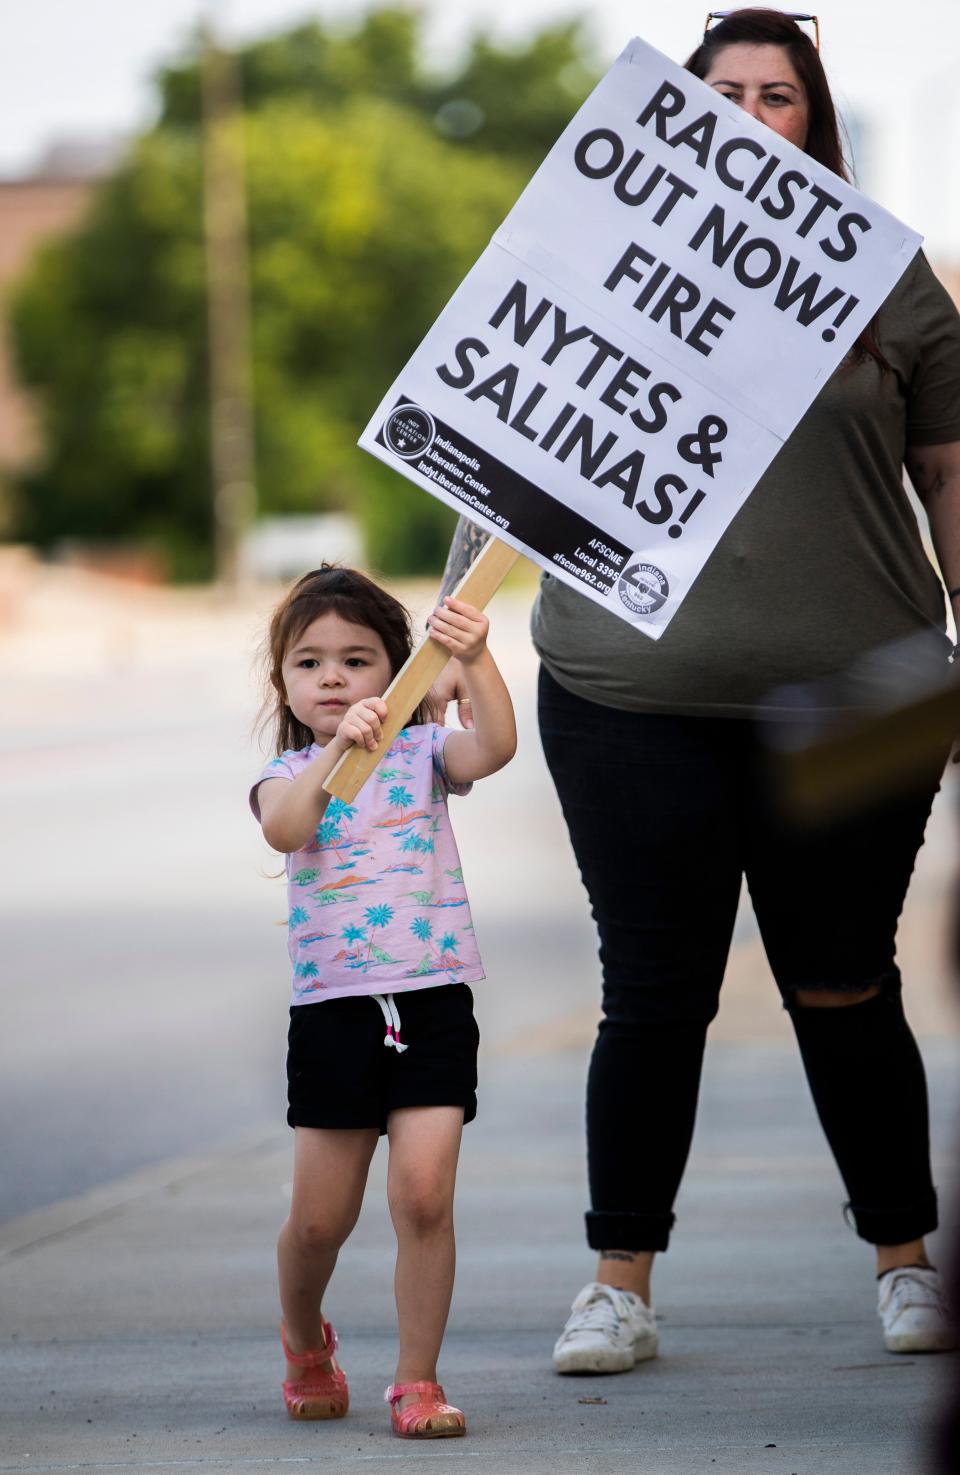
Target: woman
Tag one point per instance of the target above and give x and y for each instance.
(823, 565)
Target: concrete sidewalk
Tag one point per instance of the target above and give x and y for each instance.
(139, 1321)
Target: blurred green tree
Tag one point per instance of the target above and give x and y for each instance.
(372, 188)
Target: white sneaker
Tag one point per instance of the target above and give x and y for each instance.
(913, 1309)
(607, 1332)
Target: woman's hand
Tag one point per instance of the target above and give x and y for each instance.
(360, 725)
(461, 628)
(450, 687)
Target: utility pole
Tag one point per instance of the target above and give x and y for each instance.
(228, 308)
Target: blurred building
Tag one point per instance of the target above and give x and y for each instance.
(38, 206)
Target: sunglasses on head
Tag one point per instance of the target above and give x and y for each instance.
(717, 15)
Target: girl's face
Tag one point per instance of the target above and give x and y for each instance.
(331, 665)
(762, 81)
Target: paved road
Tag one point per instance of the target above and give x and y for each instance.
(143, 1014)
(144, 989)
(145, 986)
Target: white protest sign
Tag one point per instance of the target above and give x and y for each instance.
(623, 362)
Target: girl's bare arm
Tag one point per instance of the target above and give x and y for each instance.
(492, 740)
(290, 810)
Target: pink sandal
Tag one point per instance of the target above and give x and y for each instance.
(323, 1395)
(429, 1418)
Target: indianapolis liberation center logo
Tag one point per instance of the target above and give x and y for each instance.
(408, 431)
(643, 588)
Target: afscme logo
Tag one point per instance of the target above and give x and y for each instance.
(643, 588)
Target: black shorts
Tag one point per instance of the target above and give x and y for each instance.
(340, 1073)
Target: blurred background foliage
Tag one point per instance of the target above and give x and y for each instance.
(373, 185)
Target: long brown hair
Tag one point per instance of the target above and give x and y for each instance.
(329, 589)
(757, 26)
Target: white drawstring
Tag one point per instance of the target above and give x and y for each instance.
(391, 1018)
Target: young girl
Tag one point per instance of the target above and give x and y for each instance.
(382, 947)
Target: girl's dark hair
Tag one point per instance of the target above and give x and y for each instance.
(329, 589)
(758, 26)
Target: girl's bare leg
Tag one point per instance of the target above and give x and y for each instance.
(329, 1176)
(424, 1147)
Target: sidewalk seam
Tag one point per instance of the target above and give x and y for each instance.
(56, 1221)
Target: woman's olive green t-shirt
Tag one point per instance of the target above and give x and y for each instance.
(823, 563)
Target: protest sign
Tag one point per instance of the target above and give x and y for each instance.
(627, 356)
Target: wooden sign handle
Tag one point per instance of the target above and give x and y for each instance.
(416, 676)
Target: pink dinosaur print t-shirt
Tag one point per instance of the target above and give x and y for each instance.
(377, 903)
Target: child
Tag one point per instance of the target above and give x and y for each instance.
(380, 940)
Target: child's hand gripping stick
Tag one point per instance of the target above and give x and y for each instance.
(419, 672)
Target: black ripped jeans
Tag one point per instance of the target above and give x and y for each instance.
(666, 815)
